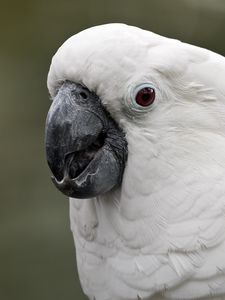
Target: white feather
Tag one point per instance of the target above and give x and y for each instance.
(162, 234)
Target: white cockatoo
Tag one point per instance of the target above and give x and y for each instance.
(135, 136)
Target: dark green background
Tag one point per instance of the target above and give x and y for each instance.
(37, 259)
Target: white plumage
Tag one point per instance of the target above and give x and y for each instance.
(161, 235)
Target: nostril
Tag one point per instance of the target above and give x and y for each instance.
(83, 95)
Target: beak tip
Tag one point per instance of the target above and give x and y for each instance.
(63, 185)
(54, 180)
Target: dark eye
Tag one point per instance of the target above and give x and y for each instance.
(145, 96)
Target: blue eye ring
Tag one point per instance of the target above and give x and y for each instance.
(143, 97)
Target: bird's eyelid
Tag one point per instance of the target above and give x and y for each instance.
(140, 86)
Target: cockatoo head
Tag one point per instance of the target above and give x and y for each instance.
(122, 97)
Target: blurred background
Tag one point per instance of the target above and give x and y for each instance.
(37, 258)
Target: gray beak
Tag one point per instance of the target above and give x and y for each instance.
(86, 150)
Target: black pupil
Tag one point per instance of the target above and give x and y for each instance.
(83, 95)
(145, 96)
